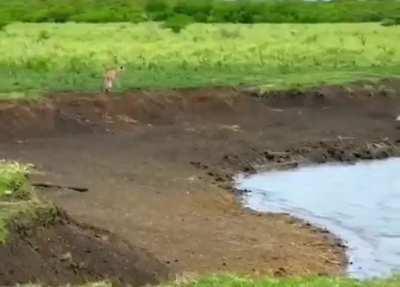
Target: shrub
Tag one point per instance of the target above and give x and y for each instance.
(224, 12)
(100, 16)
(199, 10)
(178, 22)
(157, 10)
(391, 21)
(43, 35)
(60, 14)
(3, 25)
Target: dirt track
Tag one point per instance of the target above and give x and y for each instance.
(159, 167)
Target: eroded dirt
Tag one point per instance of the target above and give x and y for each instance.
(159, 167)
(67, 253)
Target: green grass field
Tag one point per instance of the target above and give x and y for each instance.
(40, 58)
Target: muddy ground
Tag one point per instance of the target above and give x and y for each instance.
(159, 166)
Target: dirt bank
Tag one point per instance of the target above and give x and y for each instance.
(65, 252)
(159, 166)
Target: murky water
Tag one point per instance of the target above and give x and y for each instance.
(359, 203)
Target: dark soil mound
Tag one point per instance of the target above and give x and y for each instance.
(68, 253)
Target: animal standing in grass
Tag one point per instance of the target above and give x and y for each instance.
(111, 77)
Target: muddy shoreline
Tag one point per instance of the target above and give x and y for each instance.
(158, 166)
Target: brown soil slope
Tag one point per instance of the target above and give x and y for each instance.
(159, 166)
(66, 253)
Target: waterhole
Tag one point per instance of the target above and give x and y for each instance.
(359, 203)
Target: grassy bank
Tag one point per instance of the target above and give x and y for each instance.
(205, 11)
(13, 190)
(18, 202)
(232, 281)
(37, 58)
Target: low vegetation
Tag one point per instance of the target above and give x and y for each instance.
(233, 281)
(13, 180)
(12, 187)
(37, 58)
(205, 11)
(19, 204)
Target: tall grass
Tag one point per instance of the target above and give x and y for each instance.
(59, 57)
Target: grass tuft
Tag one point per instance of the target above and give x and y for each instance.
(13, 181)
(19, 204)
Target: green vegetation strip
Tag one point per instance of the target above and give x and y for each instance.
(205, 11)
(233, 281)
(40, 58)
